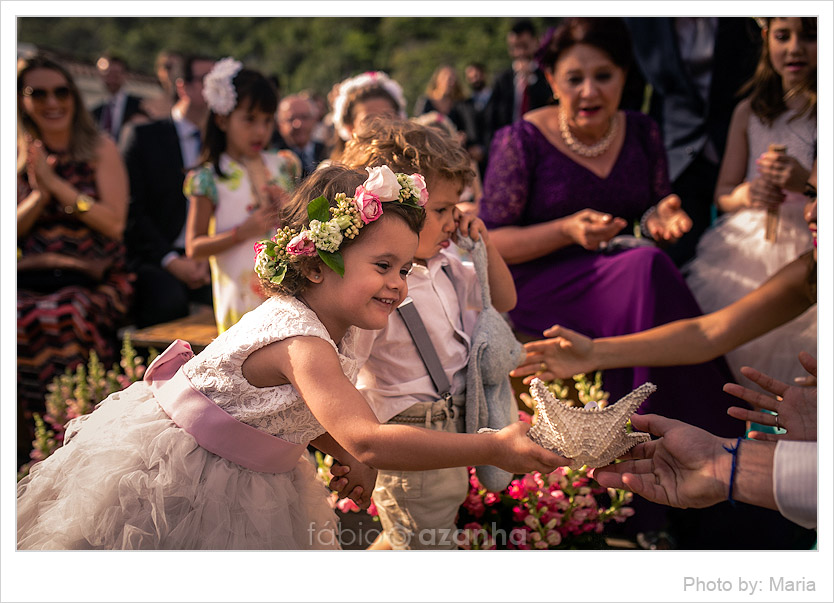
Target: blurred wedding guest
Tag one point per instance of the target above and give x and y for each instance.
(359, 98)
(168, 67)
(157, 155)
(120, 108)
(474, 115)
(296, 119)
(322, 132)
(563, 189)
(760, 186)
(696, 67)
(442, 94)
(73, 286)
(522, 87)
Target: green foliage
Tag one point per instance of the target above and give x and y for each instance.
(304, 52)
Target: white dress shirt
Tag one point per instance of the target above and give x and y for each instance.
(795, 481)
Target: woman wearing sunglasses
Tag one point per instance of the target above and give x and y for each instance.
(73, 287)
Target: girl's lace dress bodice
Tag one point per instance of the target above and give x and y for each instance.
(279, 410)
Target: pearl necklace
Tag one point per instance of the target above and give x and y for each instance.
(594, 150)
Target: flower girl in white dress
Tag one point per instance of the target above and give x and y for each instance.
(208, 451)
(735, 256)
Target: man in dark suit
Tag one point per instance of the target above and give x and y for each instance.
(120, 108)
(696, 66)
(296, 118)
(523, 87)
(158, 155)
(473, 113)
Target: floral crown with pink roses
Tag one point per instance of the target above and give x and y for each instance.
(329, 226)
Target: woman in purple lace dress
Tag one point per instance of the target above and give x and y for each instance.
(563, 187)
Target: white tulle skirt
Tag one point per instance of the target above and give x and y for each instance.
(128, 478)
(733, 259)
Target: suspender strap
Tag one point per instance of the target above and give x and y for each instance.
(425, 348)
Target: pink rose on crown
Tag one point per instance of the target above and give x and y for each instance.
(259, 246)
(302, 244)
(368, 204)
(420, 184)
(382, 183)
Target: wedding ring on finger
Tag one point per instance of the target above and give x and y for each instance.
(776, 417)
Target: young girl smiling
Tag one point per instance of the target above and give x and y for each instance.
(207, 452)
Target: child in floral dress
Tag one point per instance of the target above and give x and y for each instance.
(235, 194)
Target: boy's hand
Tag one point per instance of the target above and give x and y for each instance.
(470, 225)
(356, 482)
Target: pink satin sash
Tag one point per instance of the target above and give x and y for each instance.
(213, 428)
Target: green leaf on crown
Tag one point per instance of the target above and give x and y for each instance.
(319, 209)
(333, 260)
(278, 277)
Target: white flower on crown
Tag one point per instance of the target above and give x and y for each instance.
(327, 235)
(218, 89)
(364, 80)
(383, 183)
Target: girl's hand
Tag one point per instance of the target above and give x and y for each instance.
(261, 221)
(355, 481)
(782, 171)
(669, 222)
(470, 225)
(517, 453)
(567, 353)
(763, 194)
(592, 229)
(277, 195)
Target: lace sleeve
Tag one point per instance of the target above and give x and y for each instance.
(507, 179)
(658, 162)
(200, 183)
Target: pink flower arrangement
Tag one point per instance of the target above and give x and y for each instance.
(564, 509)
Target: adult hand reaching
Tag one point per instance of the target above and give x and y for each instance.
(567, 353)
(796, 406)
(592, 229)
(686, 467)
(670, 222)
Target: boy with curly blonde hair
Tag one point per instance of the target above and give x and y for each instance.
(418, 508)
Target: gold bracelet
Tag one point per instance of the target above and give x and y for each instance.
(82, 204)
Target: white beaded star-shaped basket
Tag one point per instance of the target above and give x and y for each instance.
(590, 436)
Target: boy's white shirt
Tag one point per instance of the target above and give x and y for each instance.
(393, 376)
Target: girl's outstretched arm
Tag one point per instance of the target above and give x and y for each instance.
(312, 366)
(689, 341)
